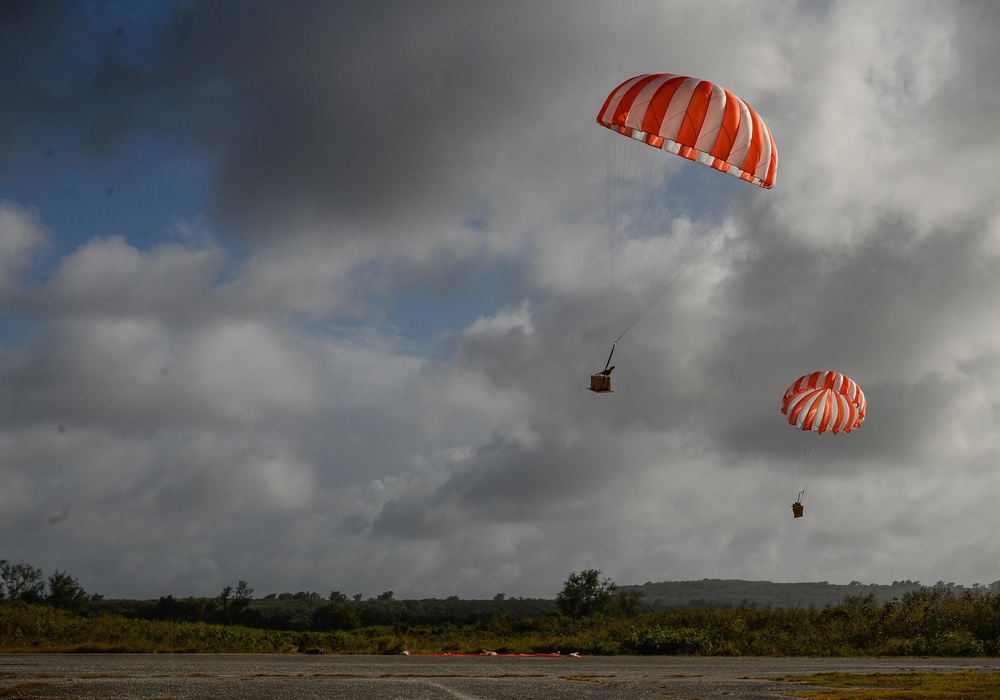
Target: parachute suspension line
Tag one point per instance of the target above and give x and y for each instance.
(639, 254)
(616, 211)
(630, 178)
(640, 251)
(664, 211)
(608, 363)
(814, 456)
(691, 232)
(798, 477)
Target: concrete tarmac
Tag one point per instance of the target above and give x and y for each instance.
(304, 677)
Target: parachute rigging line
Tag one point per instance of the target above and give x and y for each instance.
(608, 363)
(664, 212)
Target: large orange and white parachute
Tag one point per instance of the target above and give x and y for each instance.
(694, 119)
(664, 205)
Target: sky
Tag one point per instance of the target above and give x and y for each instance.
(308, 294)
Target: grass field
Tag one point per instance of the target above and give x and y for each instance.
(965, 685)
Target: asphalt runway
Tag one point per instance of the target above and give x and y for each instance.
(303, 677)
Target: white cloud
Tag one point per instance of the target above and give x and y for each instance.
(21, 235)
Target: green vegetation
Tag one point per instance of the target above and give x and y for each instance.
(28, 627)
(930, 622)
(585, 594)
(590, 615)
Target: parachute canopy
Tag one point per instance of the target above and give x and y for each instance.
(664, 206)
(824, 402)
(694, 119)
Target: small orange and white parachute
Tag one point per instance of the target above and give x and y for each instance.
(824, 403)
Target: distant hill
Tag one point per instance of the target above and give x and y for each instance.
(735, 592)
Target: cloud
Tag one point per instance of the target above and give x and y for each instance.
(21, 235)
(363, 365)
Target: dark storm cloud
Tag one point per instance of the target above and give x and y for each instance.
(32, 35)
(506, 481)
(386, 112)
(75, 78)
(876, 311)
(341, 108)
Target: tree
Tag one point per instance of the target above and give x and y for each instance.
(629, 602)
(585, 594)
(233, 603)
(241, 599)
(21, 582)
(225, 601)
(340, 615)
(65, 592)
(184, 610)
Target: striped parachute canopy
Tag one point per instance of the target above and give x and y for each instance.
(694, 119)
(665, 207)
(824, 402)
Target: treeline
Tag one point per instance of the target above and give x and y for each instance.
(584, 594)
(926, 622)
(26, 583)
(730, 592)
(308, 611)
(590, 615)
(236, 605)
